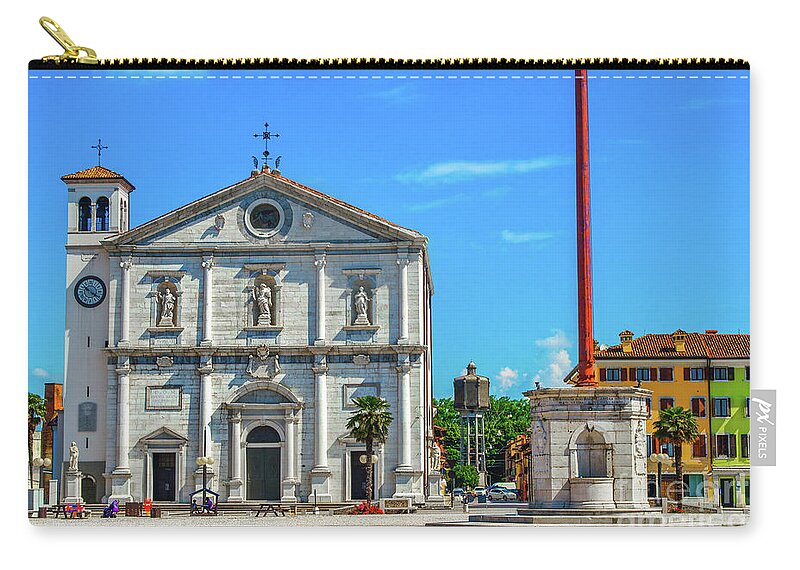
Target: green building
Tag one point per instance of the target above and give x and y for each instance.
(729, 394)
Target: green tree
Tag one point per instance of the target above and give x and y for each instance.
(369, 424)
(678, 426)
(507, 418)
(36, 412)
(465, 476)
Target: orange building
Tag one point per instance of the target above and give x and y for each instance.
(517, 458)
(677, 367)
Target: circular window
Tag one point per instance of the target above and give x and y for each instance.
(264, 217)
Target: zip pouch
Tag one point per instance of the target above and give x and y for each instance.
(249, 326)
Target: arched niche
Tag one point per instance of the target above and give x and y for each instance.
(362, 298)
(167, 300)
(263, 292)
(590, 453)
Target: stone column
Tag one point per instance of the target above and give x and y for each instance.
(404, 415)
(402, 262)
(319, 262)
(208, 301)
(125, 318)
(121, 476)
(289, 481)
(321, 473)
(235, 483)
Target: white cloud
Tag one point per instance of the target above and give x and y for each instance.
(458, 170)
(40, 372)
(524, 237)
(558, 361)
(433, 204)
(507, 378)
(557, 340)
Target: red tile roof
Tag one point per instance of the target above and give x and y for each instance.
(95, 173)
(698, 345)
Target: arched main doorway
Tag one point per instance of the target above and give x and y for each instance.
(263, 457)
(89, 489)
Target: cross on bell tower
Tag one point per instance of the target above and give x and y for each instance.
(100, 148)
(266, 136)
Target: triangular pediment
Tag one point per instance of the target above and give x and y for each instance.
(225, 218)
(164, 436)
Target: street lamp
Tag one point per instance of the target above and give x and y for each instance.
(39, 462)
(204, 462)
(363, 459)
(661, 459)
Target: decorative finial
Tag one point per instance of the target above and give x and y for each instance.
(100, 148)
(278, 164)
(267, 136)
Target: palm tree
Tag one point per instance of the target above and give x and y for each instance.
(678, 426)
(369, 424)
(36, 411)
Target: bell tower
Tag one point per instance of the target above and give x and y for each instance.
(97, 208)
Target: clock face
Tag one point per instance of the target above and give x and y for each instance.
(90, 291)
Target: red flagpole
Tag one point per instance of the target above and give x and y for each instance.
(586, 375)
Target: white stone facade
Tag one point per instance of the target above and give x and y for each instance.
(217, 369)
(589, 448)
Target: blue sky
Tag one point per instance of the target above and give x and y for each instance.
(482, 162)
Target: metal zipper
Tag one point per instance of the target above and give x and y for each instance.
(77, 57)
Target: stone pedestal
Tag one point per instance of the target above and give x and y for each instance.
(72, 492)
(320, 482)
(287, 491)
(121, 485)
(235, 491)
(435, 488)
(589, 448)
(405, 478)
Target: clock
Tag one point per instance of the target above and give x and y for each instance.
(90, 291)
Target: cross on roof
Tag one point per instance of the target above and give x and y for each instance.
(100, 148)
(267, 136)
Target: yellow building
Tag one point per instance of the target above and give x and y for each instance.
(677, 367)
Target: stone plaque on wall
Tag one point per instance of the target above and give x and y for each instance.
(87, 416)
(163, 398)
(352, 391)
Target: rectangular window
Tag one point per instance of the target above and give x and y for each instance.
(649, 444)
(745, 444)
(695, 487)
(665, 374)
(699, 407)
(642, 374)
(666, 447)
(699, 446)
(722, 374)
(613, 375)
(665, 403)
(722, 447)
(696, 374)
(722, 407)
(747, 407)
(747, 373)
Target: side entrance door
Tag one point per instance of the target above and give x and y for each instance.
(163, 476)
(727, 489)
(263, 473)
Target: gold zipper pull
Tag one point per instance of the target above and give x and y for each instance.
(72, 53)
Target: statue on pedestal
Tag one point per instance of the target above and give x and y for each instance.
(167, 300)
(73, 456)
(361, 305)
(262, 295)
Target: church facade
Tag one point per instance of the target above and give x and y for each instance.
(239, 328)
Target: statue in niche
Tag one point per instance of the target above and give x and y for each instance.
(262, 295)
(73, 456)
(167, 300)
(436, 457)
(361, 303)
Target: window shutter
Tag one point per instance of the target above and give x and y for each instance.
(701, 405)
(632, 373)
(687, 373)
(730, 374)
(732, 445)
(654, 374)
(665, 374)
(602, 375)
(728, 401)
(623, 374)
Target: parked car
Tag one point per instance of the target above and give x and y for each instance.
(480, 491)
(501, 494)
(458, 492)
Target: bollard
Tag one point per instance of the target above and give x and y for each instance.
(466, 505)
(42, 512)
